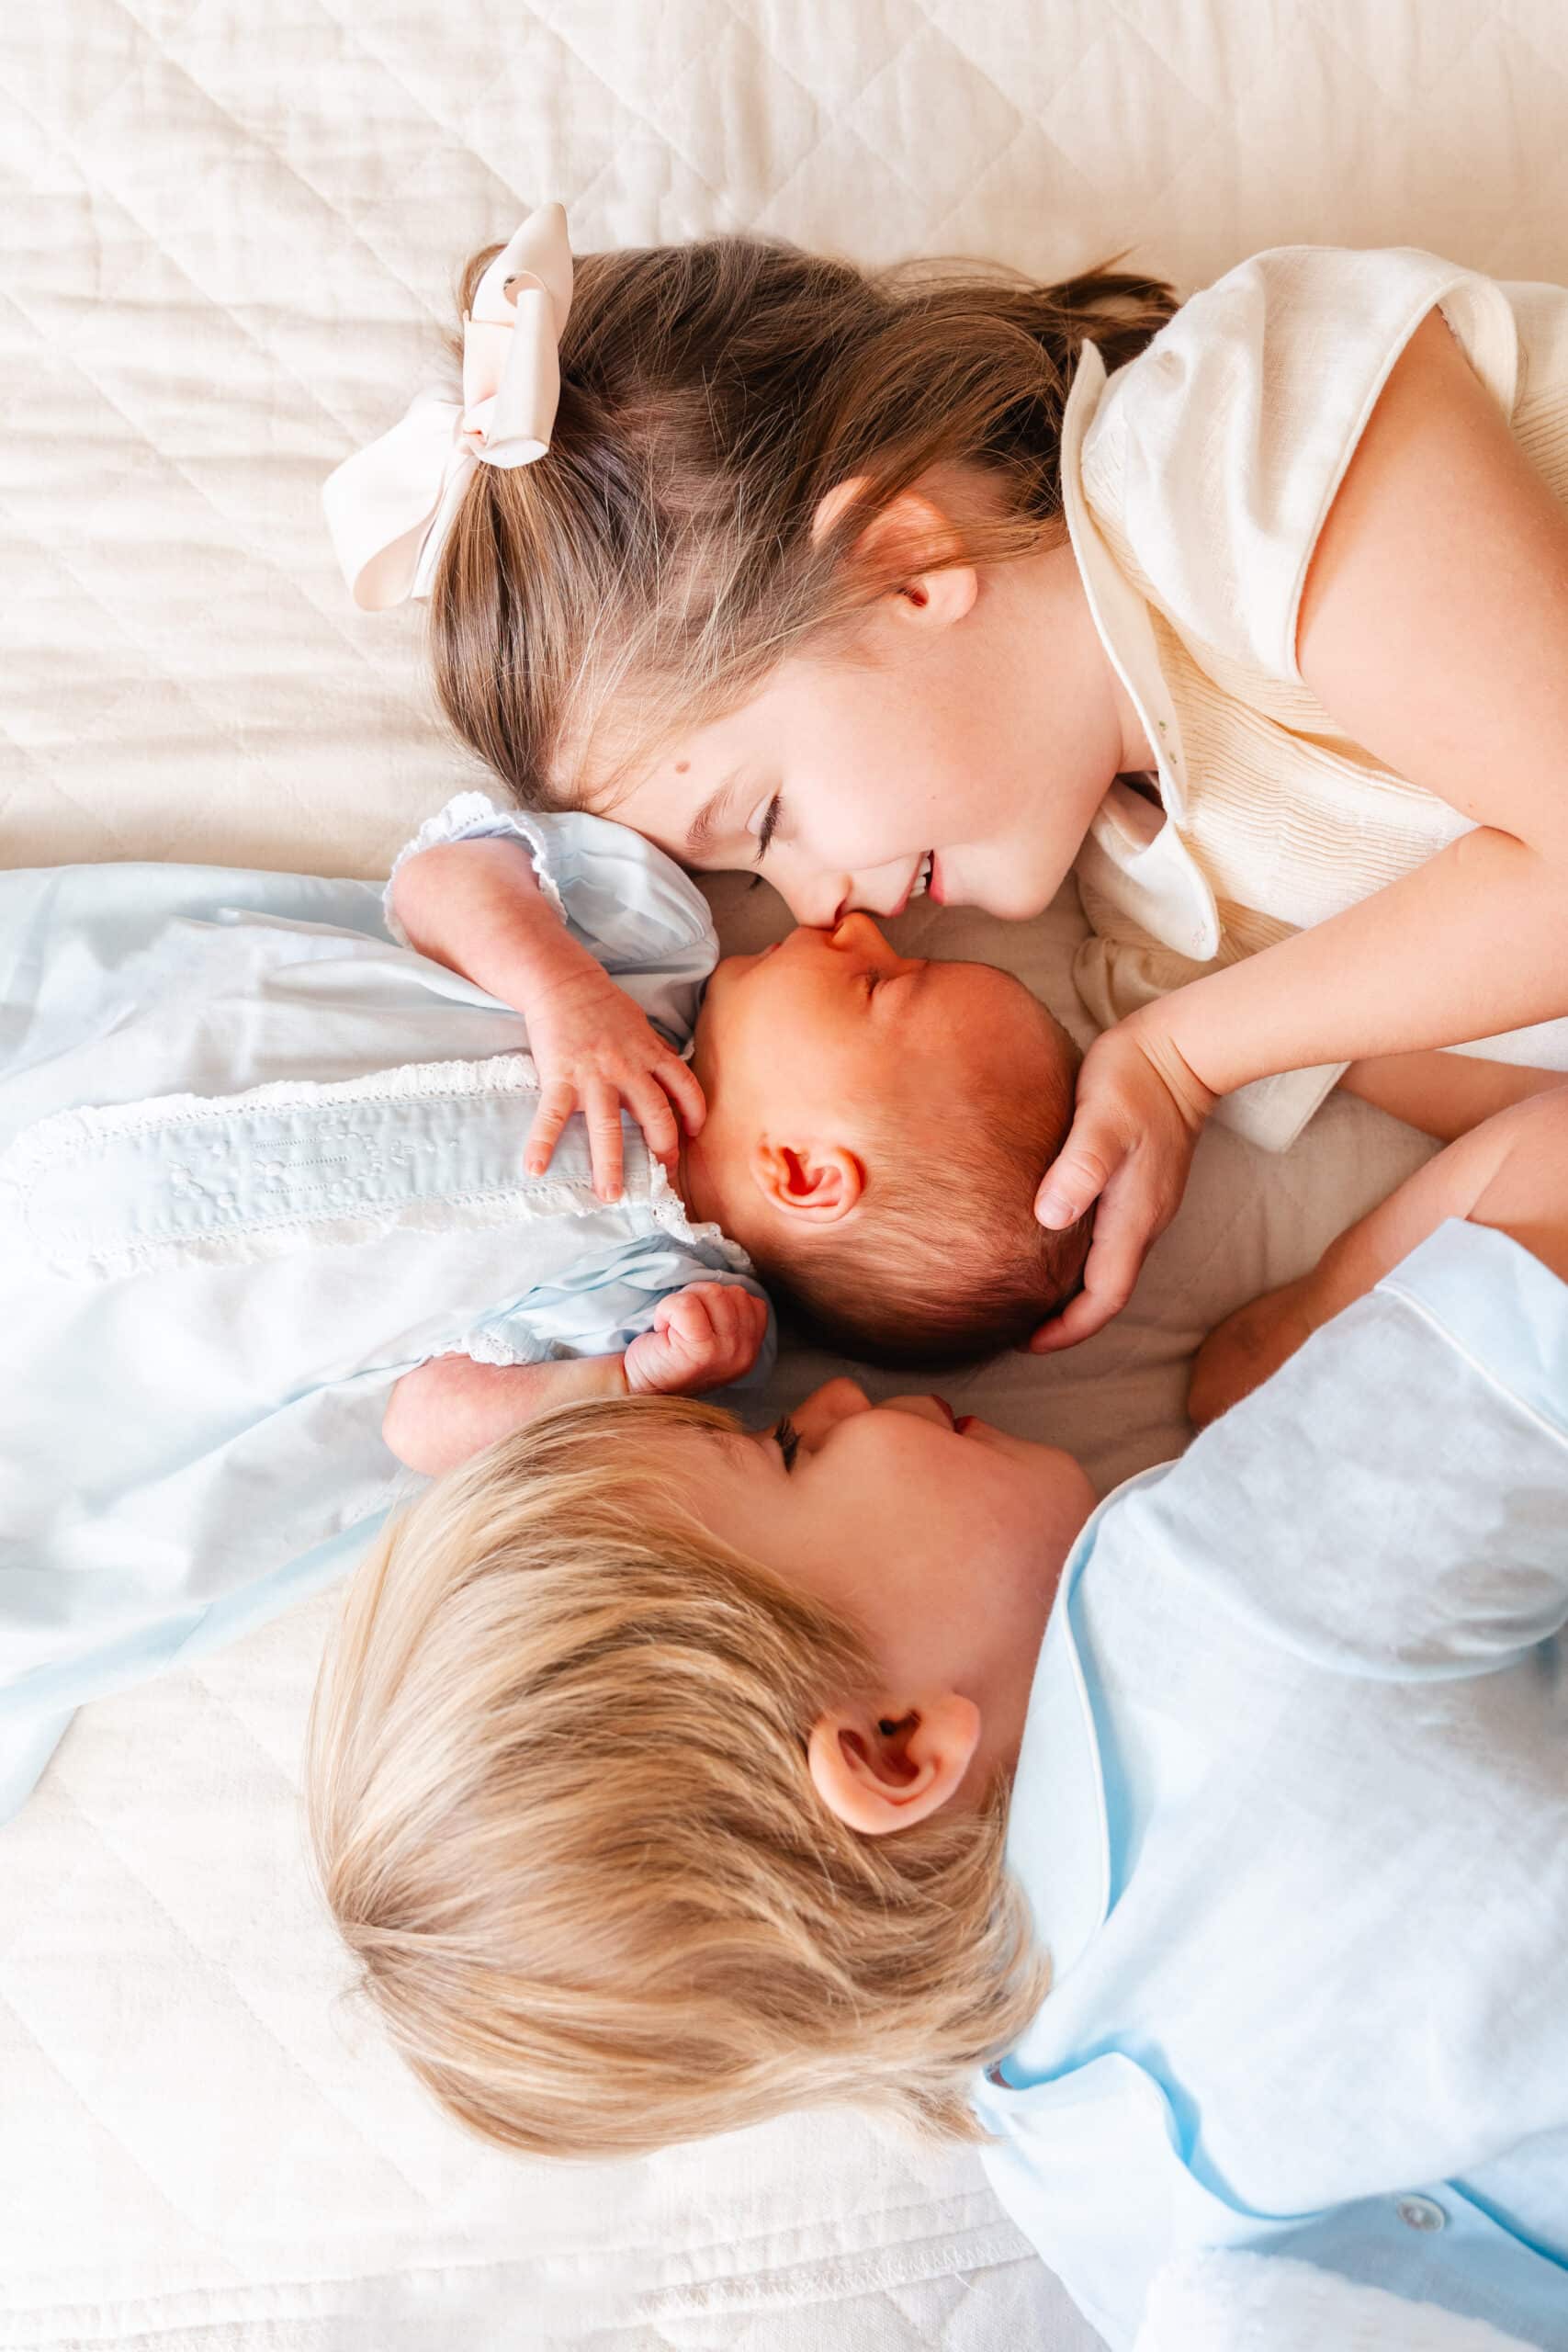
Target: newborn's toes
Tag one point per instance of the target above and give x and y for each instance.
(1239, 1353)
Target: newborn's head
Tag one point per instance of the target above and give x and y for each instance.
(877, 1128)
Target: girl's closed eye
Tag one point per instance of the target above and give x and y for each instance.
(786, 1437)
(769, 826)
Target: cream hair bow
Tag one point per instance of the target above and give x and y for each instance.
(390, 505)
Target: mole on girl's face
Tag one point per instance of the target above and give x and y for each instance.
(850, 785)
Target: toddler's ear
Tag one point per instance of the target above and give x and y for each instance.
(880, 1773)
(819, 1183)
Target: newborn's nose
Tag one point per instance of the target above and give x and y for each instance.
(858, 931)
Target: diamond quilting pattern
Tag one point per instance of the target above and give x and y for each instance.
(229, 231)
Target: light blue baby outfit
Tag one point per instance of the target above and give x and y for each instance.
(1291, 1813)
(257, 1158)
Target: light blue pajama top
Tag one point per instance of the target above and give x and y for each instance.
(257, 1160)
(1291, 1813)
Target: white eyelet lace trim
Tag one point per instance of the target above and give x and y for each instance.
(669, 1211)
(65, 1135)
(472, 816)
(487, 1347)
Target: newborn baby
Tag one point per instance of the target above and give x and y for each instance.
(264, 1160)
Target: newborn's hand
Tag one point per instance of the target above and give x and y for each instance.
(595, 1049)
(1240, 1354)
(702, 1336)
(1140, 1112)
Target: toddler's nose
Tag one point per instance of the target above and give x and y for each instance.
(835, 1401)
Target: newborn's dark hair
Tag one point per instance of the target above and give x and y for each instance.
(949, 1264)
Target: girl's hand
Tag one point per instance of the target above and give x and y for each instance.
(595, 1049)
(702, 1336)
(1140, 1112)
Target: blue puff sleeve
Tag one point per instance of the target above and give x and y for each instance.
(603, 1303)
(622, 899)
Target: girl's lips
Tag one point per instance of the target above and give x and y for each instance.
(909, 893)
(933, 888)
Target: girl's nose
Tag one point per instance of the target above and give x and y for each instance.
(818, 900)
(819, 1414)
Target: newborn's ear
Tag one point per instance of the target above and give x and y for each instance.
(820, 1183)
(886, 1772)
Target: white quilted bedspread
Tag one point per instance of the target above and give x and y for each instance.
(228, 236)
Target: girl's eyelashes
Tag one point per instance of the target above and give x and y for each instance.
(770, 825)
(786, 1437)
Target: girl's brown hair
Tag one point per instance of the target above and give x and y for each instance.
(648, 573)
(565, 1821)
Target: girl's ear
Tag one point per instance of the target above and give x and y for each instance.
(903, 538)
(879, 1773)
(817, 1182)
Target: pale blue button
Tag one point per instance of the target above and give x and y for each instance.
(1421, 2213)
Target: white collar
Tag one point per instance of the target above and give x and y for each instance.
(1158, 878)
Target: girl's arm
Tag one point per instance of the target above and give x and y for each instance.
(476, 906)
(1434, 629)
(451, 1407)
(1510, 1172)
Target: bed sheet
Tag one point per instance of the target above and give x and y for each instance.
(228, 239)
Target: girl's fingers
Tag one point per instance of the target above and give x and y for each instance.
(679, 1083)
(556, 1103)
(602, 1109)
(1078, 1174)
(1116, 1253)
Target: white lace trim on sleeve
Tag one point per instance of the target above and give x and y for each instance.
(469, 817)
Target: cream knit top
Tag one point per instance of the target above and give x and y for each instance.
(1196, 481)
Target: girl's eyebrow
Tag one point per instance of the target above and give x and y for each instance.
(705, 828)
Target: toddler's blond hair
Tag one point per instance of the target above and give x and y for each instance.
(563, 1818)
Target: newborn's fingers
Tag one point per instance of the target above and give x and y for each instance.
(649, 1107)
(680, 1083)
(556, 1103)
(602, 1108)
(687, 1318)
(725, 1309)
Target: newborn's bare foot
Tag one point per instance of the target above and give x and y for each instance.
(1239, 1353)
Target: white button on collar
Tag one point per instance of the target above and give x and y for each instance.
(1421, 2213)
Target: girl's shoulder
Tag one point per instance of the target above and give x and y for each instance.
(1213, 458)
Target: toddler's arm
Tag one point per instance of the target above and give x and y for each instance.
(702, 1336)
(476, 906)
(1444, 1095)
(1510, 1172)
